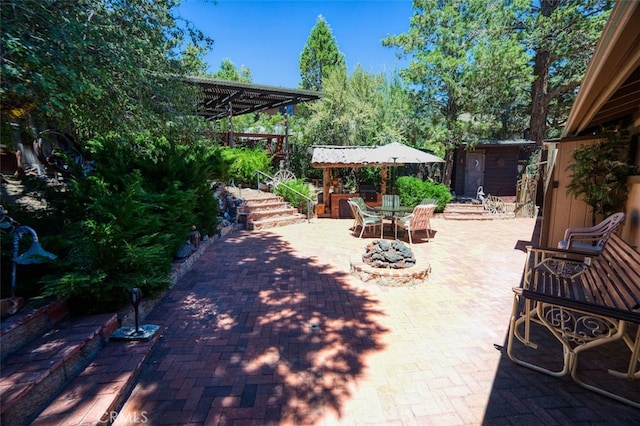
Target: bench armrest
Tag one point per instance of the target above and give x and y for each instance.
(561, 263)
(561, 252)
(578, 305)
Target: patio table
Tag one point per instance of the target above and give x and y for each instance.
(392, 213)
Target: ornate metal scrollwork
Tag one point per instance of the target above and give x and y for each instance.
(579, 327)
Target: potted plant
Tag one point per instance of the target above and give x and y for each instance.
(599, 174)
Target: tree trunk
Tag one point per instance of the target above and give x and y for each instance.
(448, 165)
(539, 98)
(540, 87)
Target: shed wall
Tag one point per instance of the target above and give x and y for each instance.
(500, 171)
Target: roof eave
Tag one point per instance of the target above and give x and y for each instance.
(616, 57)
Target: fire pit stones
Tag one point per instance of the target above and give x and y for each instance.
(386, 254)
(400, 267)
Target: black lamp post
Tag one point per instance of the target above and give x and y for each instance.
(136, 295)
(139, 332)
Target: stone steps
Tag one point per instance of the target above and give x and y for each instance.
(263, 210)
(36, 371)
(19, 329)
(259, 214)
(276, 222)
(466, 211)
(94, 396)
(62, 370)
(59, 369)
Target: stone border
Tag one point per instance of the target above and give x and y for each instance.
(390, 277)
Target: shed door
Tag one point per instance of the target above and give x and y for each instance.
(474, 176)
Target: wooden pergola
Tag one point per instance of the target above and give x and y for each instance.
(223, 99)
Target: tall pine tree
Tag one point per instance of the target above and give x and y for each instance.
(320, 56)
(466, 61)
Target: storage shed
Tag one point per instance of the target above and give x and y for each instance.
(495, 165)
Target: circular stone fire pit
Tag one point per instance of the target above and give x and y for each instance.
(389, 264)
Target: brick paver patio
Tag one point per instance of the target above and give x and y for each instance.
(270, 328)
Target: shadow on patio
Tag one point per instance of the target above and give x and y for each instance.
(520, 395)
(255, 334)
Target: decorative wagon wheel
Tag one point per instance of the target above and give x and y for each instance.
(494, 204)
(282, 176)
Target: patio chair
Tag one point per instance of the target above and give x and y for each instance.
(391, 201)
(365, 220)
(363, 206)
(592, 238)
(417, 221)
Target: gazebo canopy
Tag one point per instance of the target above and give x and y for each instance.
(222, 98)
(329, 157)
(369, 156)
(335, 156)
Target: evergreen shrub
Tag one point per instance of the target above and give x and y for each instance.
(126, 219)
(244, 162)
(292, 197)
(413, 190)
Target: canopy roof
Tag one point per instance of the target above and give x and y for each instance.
(361, 156)
(222, 98)
(398, 153)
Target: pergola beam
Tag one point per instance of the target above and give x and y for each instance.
(221, 98)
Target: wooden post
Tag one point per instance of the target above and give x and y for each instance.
(383, 177)
(326, 181)
(286, 137)
(231, 142)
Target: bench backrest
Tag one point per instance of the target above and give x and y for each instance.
(360, 202)
(617, 270)
(608, 286)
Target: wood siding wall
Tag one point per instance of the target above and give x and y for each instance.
(631, 228)
(459, 171)
(501, 171)
(563, 211)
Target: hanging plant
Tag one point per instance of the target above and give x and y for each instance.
(599, 174)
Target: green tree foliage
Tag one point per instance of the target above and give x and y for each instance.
(466, 63)
(563, 35)
(320, 56)
(300, 149)
(94, 65)
(109, 72)
(363, 109)
(328, 122)
(193, 59)
(229, 71)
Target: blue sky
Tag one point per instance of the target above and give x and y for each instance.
(267, 36)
